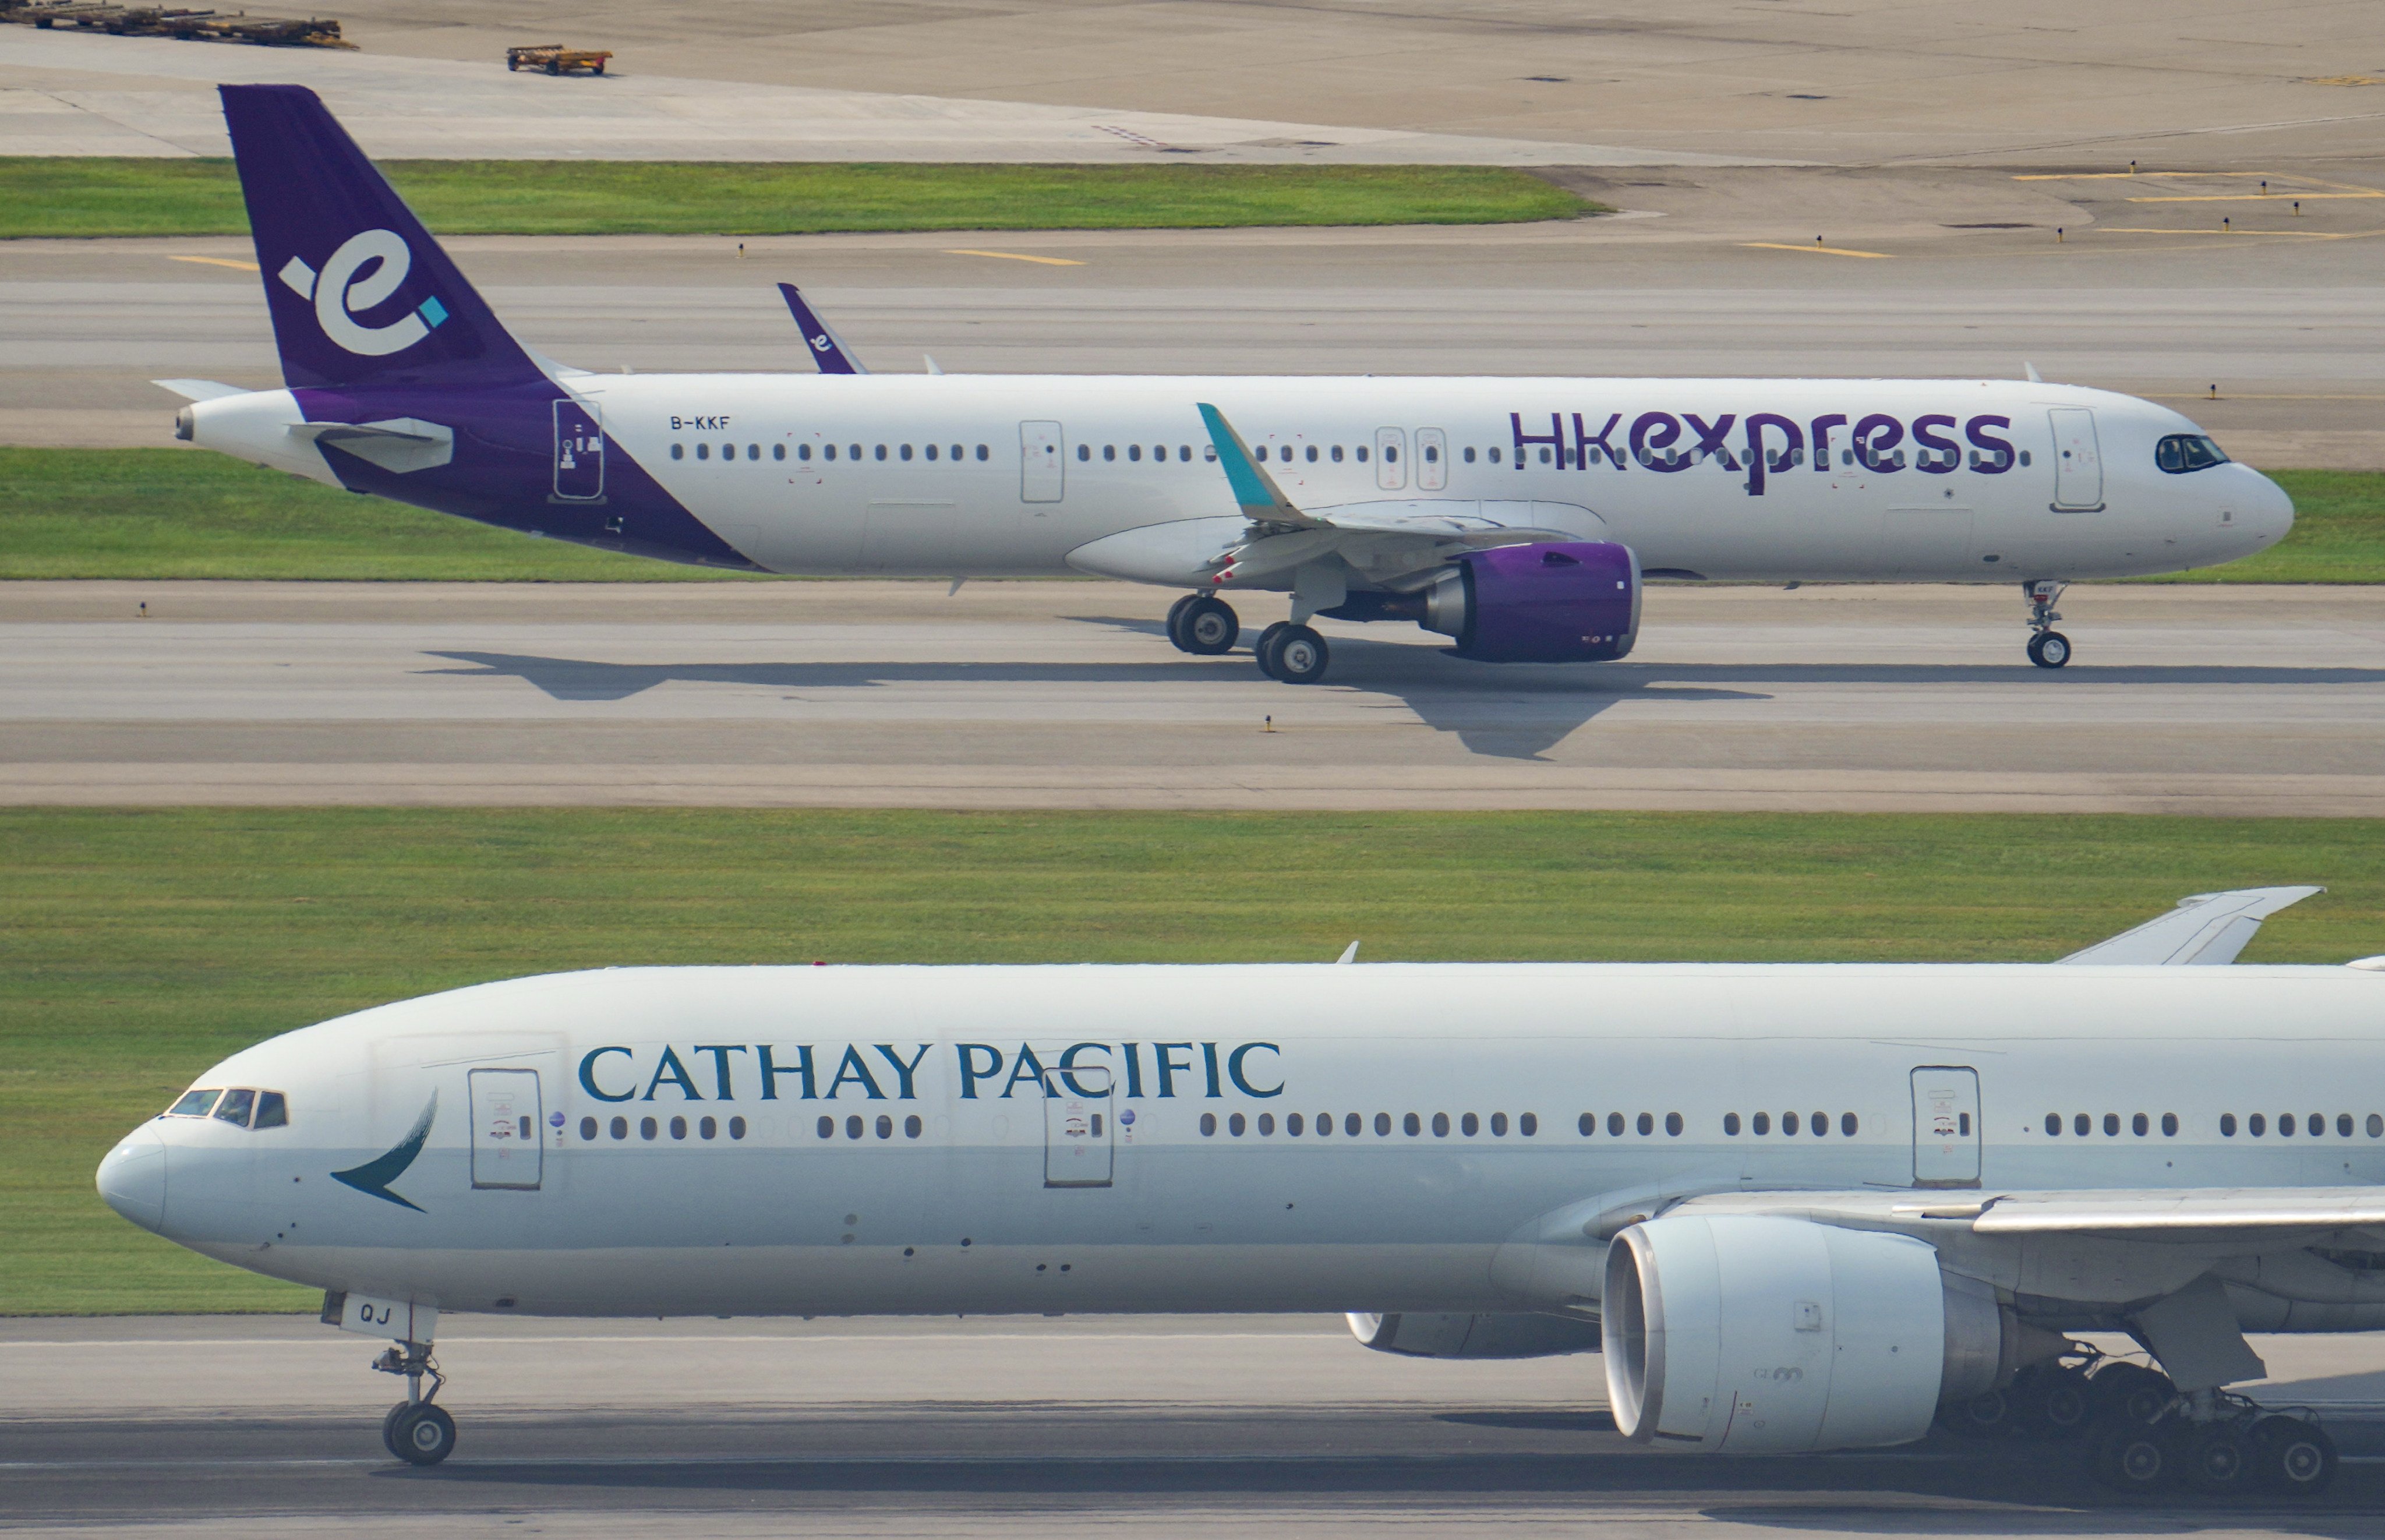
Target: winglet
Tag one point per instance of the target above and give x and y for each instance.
(1349, 953)
(828, 349)
(2205, 930)
(2030, 370)
(1262, 502)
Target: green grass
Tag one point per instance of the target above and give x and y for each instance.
(91, 195)
(179, 513)
(169, 513)
(137, 947)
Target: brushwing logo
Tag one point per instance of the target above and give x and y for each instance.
(338, 293)
(375, 1175)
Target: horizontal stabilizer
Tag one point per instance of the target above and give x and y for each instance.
(2205, 930)
(198, 390)
(399, 443)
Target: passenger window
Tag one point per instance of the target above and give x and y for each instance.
(1109, 452)
(885, 1126)
(1730, 1123)
(2285, 1123)
(2139, 1125)
(1587, 1125)
(2257, 1125)
(1412, 1125)
(2111, 1124)
(1208, 1124)
(777, 451)
(1296, 1125)
(882, 451)
(753, 451)
(981, 451)
(647, 1128)
(1788, 1122)
(1469, 454)
(2169, 1125)
(2343, 1123)
(1529, 1124)
(678, 1127)
(932, 451)
(1673, 1124)
(1234, 1125)
(853, 1127)
(1361, 453)
(736, 1128)
(2227, 1125)
(1494, 455)
(1847, 1124)
(1084, 451)
(1431, 454)
(1614, 1125)
(1763, 1122)
(827, 1128)
(709, 1129)
(1312, 454)
(804, 451)
(273, 1112)
(2375, 1126)
(1498, 1125)
(704, 451)
(1350, 1125)
(912, 1126)
(1383, 1125)
(620, 1128)
(1209, 453)
(907, 452)
(828, 452)
(1266, 1123)
(1469, 1125)
(853, 452)
(1821, 1124)
(2054, 1123)
(236, 1105)
(679, 451)
(1134, 452)
(195, 1104)
(1184, 453)
(1337, 454)
(956, 454)
(1647, 1124)
(587, 1128)
(2080, 1124)
(1441, 1125)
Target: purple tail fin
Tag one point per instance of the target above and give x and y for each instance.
(361, 293)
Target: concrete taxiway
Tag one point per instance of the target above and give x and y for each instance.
(1003, 1426)
(1066, 694)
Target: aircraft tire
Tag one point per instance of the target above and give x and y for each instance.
(2291, 1456)
(2220, 1461)
(2132, 1458)
(389, 1427)
(1206, 626)
(424, 1435)
(2049, 649)
(1175, 615)
(1300, 655)
(1987, 1416)
(1263, 651)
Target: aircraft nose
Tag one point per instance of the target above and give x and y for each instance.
(132, 1177)
(2277, 511)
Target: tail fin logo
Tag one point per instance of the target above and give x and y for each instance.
(363, 273)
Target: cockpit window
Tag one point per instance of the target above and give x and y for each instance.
(235, 1106)
(2181, 453)
(272, 1111)
(195, 1104)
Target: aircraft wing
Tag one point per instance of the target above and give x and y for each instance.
(2259, 1216)
(2205, 930)
(828, 349)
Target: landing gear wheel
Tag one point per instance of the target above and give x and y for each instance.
(2049, 1401)
(2049, 649)
(2294, 1456)
(1988, 1416)
(2218, 1461)
(2132, 1458)
(421, 1434)
(1298, 657)
(1203, 625)
(1263, 651)
(2130, 1390)
(389, 1427)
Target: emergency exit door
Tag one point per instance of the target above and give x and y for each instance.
(1042, 476)
(1945, 1126)
(578, 454)
(507, 1141)
(1079, 1136)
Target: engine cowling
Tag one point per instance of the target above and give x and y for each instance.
(1573, 602)
(1474, 1336)
(1753, 1334)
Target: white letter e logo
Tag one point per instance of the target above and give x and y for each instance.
(338, 295)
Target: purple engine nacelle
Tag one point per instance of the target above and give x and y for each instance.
(1577, 602)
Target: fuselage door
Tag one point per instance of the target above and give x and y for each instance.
(1041, 475)
(1945, 1126)
(579, 453)
(1391, 459)
(1432, 460)
(507, 1134)
(1080, 1135)
(2078, 463)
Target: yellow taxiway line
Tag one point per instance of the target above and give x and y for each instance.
(1827, 251)
(218, 262)
(1020, 256)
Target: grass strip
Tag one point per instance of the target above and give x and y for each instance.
(172, 513)
(139, 946)
(95, 195)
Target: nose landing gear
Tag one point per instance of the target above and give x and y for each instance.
(2048, 649)
(415, 1430)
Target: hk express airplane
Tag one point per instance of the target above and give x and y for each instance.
(1793, 1207)
(1519, 517)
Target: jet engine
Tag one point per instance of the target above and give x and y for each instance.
(1578, 602)
(1750, 1335)
(1475, 1336)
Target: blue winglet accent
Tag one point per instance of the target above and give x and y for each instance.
(1251, 489)
(828, 349)
(374, 1176)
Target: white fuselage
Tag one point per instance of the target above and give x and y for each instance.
(883, 1140)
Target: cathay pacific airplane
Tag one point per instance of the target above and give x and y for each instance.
(1518, 516)
(1793, 1207)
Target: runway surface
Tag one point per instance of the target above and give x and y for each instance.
(1003, 1426)
(1066, 694)
(2290, 331)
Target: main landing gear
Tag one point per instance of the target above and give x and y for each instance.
(2048, 649)
(415, 1430)
(2139, 1435)
(1205, 625)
